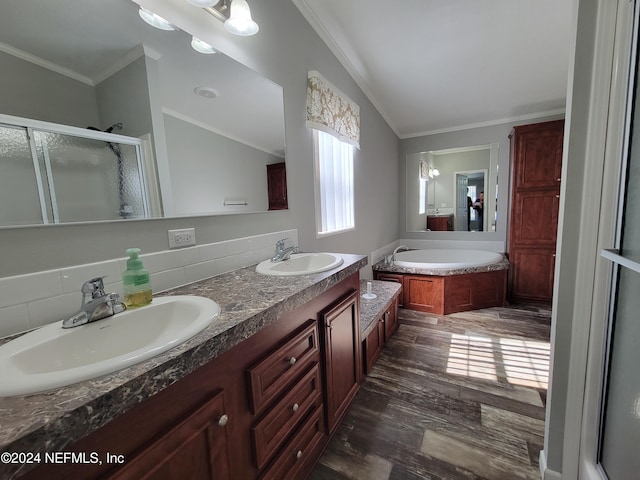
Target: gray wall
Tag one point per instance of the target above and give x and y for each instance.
(124, 98)
(284, 50)
(207, 168)
(31, 91)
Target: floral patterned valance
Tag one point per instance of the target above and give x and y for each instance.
(331, 111)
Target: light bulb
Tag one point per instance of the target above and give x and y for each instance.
(203, 3)
(155, 20)
(202, 47)
(240, 21)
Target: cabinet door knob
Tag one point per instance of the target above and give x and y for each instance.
(223, 420)
(292, 361)
(295, 407)
(299, 455)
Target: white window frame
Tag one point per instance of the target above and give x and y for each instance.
(324, 217)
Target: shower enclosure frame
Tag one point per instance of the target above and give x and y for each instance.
(31, 125)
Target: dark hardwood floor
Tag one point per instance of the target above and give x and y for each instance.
(459, 396)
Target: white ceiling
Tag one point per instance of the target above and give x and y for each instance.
(441, 65)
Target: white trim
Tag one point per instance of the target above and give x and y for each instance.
(41, 62)
(69, 130)
(192, 121)
(447, 151)
(131, 56)
(545, 473)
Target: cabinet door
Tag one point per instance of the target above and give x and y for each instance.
(373, 344)
(424, 294)
(391, 319)
(196, 448)
(342, 360)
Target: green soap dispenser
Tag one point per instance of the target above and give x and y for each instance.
(137, 281)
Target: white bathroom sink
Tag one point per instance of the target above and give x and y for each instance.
(300, 264)
(52, 357)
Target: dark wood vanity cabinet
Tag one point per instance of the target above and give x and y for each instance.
(386, 325)
(340, 325)
(195, 448)
(261, 410)
(277, 186)
(440, 223)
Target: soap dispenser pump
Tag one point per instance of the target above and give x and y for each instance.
(136, 280)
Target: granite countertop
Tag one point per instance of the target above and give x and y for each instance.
(371, 309)
(249, 301)
(381, 266)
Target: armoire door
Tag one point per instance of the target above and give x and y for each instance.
(537, 165)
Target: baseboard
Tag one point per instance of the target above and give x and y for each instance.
(545, 473)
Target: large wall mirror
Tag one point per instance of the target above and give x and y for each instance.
(453, 190)
(196, 130)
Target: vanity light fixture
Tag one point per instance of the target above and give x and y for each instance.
(236, 16)
(201, 46)
(240, 21)
(155, 20)
(433, 172)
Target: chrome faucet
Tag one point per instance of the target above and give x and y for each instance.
(397, 249)
(95, 305)
(283, 253)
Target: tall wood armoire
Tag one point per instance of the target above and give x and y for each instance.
(536, 156)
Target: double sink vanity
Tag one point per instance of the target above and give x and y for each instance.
(255, 392)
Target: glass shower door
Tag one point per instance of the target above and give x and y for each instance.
(23, 205)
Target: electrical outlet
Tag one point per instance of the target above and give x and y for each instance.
(184, 237)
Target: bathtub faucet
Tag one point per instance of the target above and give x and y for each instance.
(397, 249)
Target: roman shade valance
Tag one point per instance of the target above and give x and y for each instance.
(330, 110)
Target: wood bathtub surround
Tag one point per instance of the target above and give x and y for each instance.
(191, 409)
(451, 291)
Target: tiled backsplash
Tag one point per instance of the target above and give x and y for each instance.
(35, 299)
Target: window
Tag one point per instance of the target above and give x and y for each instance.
(422, 196)
(333, 163)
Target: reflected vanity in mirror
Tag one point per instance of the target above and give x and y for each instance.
(198, 130)
(452, 190)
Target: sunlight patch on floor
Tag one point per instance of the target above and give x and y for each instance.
(526, 362)
(519, 362)
(471, 356)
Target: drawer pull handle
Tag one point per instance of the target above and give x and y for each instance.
(292, 361)
(223, 420)
(299, 455)
(295, 407)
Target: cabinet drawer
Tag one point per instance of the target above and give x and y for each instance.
(271, 375)
(301, 452)
(274, 428)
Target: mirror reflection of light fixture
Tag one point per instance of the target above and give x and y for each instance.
(433, 172)
(155, 20)
(201, 46)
